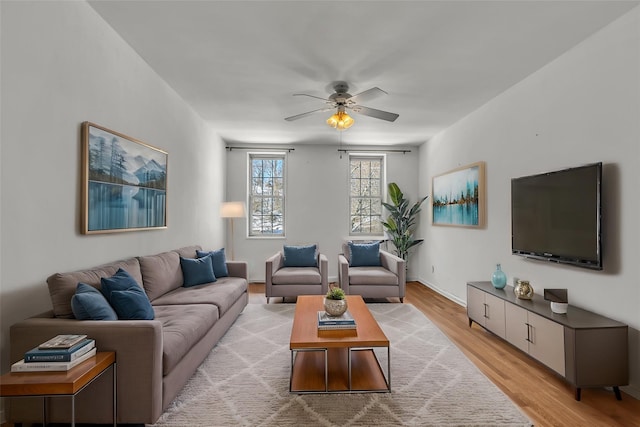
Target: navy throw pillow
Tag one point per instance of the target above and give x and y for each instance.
(125, 306)
(197, 271)
(300, 256)
(132, 304)
(364, 254)
(88, 303)
(219, 261)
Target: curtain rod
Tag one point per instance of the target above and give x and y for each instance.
(344, 150)
(261, 148)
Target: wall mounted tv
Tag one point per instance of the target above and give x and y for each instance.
(556, 216)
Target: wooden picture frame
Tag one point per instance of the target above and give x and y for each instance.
(124, 182)
(458, 197)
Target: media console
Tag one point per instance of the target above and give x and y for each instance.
(587, 349)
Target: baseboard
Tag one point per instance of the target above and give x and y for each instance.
(442, 292)
(631, 391)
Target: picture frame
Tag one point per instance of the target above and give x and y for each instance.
(459, 197)
(124, 182)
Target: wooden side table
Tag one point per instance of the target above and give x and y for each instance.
(54, 384)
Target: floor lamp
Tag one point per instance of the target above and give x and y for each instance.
(232, 210)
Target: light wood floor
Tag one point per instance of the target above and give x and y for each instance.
(543, 395)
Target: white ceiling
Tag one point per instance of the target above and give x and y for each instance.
(238, 63)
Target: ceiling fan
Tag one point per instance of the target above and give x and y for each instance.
(341, 100)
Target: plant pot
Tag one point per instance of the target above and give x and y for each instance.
(335, 307)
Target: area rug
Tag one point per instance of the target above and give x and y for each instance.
(245, 380)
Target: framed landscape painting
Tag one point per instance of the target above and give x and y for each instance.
(124, 182)
(458, 197)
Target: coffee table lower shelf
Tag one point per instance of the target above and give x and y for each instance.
(338, 370)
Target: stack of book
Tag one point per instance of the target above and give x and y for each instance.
(326, 322)
(60, 353)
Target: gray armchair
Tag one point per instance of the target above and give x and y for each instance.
(386, 280)
(290, 277)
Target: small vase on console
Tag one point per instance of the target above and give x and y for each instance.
(498, 278)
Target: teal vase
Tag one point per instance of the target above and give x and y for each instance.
(498, 278)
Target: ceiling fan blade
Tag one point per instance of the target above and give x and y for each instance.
(312, 96)
(372, 112)
(308, 113)
(367, 95)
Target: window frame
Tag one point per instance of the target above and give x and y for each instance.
(383, 191)
(266, 155)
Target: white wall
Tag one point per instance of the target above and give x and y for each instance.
(317, 201)
(62, 65)
(583, 107)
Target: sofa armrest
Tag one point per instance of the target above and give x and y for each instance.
(343, 273)
(138, 347)
(238, 269)
(397, 266)
(323, 264)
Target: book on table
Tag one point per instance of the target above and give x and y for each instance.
(344, 321)
(22, 366)
(59, 355)
(62, 341)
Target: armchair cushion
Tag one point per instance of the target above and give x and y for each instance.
(300, 256)
(296, 276)
(364, 254)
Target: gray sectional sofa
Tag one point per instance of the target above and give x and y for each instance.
(155, 358)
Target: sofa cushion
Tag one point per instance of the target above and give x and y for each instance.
(182, 327)
(300, 256)
(89, 304)
(371, 276)
(197, 271)
(223, 294)
(297, 276)
(62, 286)
(364, 254)
(219, 261)
(161, 273)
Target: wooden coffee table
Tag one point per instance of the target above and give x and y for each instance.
(336, 361)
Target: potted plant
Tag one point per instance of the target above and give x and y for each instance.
(401, 221)
(335, 303)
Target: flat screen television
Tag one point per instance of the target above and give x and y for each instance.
(556, 216)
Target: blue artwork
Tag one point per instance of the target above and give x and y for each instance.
(126, 185)
(458, 197)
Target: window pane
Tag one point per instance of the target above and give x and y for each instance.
(267, 194)
(365, 191)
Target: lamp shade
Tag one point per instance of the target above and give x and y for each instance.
(232, 210)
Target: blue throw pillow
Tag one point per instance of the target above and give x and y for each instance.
(121, 281)
(197, 271)
(218, 260)
(126, 306)
(88, 303)
(300, 256)
(132, 304)
(364, 254)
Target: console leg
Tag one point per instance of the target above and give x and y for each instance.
(578, 389)
(470, 322)
(401, 300)
(616, 390)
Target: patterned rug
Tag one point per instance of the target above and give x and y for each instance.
(245, 380)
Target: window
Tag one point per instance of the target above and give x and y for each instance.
(366, 181)
(266, 194)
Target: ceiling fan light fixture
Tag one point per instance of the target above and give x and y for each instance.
(340, 120)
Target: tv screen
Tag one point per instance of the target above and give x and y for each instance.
(556, 216)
